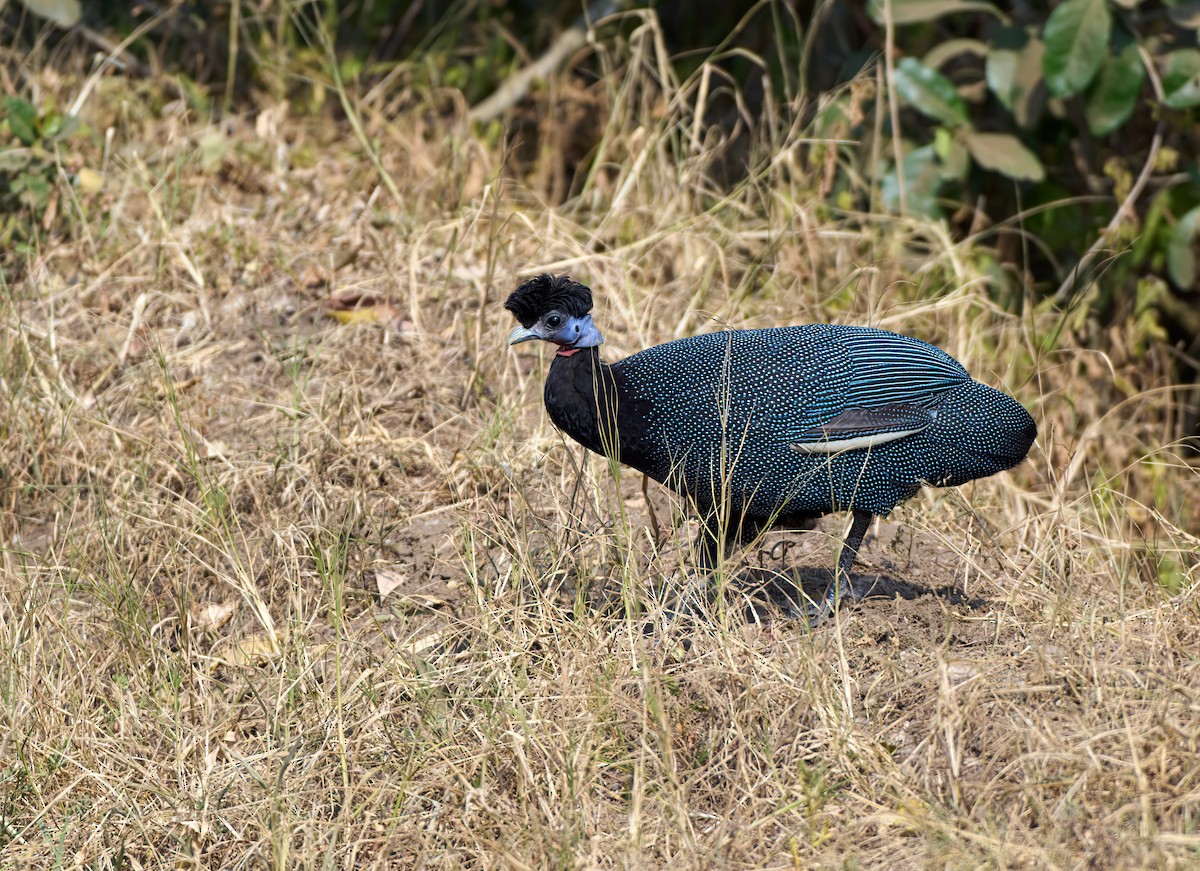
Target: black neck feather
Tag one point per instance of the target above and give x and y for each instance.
(592, 402)
(582, 397)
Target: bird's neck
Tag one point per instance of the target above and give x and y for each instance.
(581, 396)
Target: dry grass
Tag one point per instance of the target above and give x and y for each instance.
(203, 477)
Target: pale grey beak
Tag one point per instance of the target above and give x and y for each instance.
(521, 334)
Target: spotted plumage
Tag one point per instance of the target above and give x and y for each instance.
(779, 425)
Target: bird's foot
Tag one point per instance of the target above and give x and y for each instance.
(841, 588)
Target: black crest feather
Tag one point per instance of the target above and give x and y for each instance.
(548, 292)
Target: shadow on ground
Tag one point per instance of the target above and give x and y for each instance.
(789, 593)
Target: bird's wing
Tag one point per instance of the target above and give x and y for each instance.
(860, 427)
(866, 387)
(817, 388)
(889, 369)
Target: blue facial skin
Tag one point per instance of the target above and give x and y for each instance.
(561, 329)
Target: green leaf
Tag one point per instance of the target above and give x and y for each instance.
(1115, 93)
(68, 126)
(922, 179)
(64, 13)
(49, 125)
(1076, 36)
(930, 93)
(952, 153)
(1181, 250)
(22, 119)
(1181, 79)
(1014, 71)
(915, 11)
(1005, 154)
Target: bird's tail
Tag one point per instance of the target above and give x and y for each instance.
(985, 431)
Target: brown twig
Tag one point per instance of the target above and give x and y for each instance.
(517, 85)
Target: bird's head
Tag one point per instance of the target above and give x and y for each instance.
(554, 309)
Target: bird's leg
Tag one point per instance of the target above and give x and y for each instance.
(841, 585)
(712, 542)
(655, 529)
(710, 545)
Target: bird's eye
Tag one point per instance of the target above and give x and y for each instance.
(554, 321)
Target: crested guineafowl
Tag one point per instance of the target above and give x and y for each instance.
(774, 427)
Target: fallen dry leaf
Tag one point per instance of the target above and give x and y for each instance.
(313, 276)
(89, 181)
(419, 602)
(211, 617)
(354, 307)
(387, 581)
(252, 651)
(424, 643)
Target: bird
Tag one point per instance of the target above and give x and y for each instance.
(773, 427)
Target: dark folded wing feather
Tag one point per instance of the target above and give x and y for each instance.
(857, 428)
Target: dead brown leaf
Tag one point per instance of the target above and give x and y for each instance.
(356, 307)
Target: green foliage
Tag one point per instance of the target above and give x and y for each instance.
(64, 13)
(1005, 154)
(1013, 70)
(923, 175)
(1115, 95)
(1181, 79)
(1181, 249)
(28, 163)
(931, 93)
(916, 11)
(956, 142)
(1076, 36)
(1059, 102)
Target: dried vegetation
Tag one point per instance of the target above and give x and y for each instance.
(205, 480)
